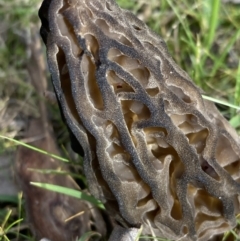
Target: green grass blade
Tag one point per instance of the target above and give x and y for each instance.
(34, 148)
(220, 102)
(12, 224)
(237, 87)
(184, 25)
(139, 233)
(220, 61)
(214, 16)
(7, 216)
(69, 192)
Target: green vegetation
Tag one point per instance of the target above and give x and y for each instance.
(203, 37)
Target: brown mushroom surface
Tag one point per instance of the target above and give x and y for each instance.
(155, 153)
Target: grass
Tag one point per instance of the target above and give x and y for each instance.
(203, 37)
(69, 192)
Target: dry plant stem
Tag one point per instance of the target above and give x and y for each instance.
(155, 152)
(48, 211)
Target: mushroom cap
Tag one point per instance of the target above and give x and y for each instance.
(155, 153)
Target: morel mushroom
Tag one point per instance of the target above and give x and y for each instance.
(155, 153)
